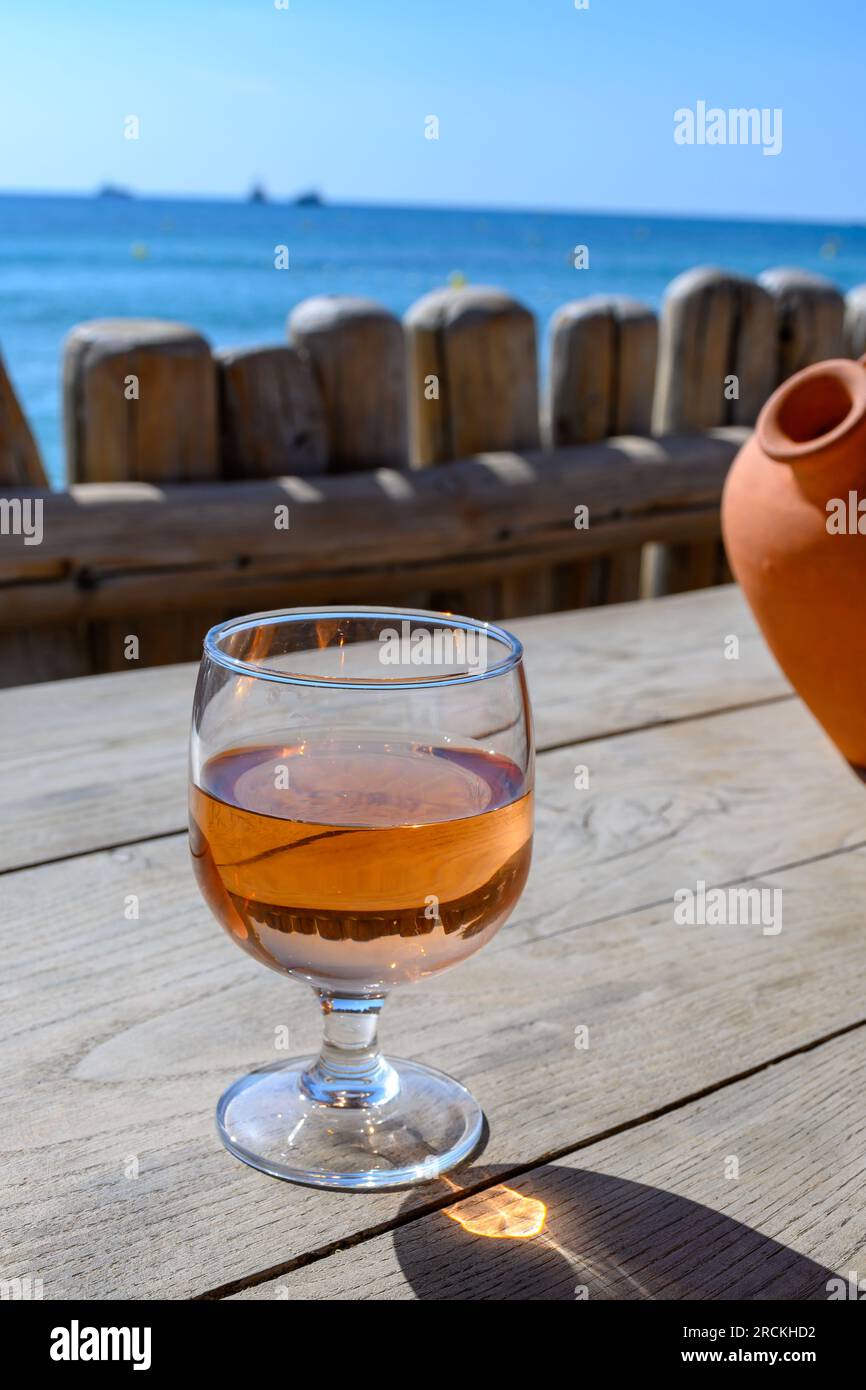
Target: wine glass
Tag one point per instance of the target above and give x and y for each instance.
(360, 818)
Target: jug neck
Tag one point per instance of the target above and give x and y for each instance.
(815, 424)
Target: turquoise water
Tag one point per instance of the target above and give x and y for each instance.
(211, 264)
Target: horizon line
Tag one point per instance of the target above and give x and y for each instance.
(93, 194)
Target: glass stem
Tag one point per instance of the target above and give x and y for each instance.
(350, 1071)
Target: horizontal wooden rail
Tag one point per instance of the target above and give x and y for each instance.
(139, 548)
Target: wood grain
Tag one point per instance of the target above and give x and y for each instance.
(810, 318)
(124, 1031)
(657, 1212)
(198, 543)
(357, 355)
(602, 369)
(473, 374)
(106, 763)
(713, 324)
(20, 461)
(167, 430)
(272, 420)
(583, 362)
(718, 335)
(43, 654)
(140, 405)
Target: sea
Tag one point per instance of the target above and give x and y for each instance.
(211, 264)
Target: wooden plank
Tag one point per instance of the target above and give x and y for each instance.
(103, 764)
(603, 360)
(583, 372)
(810, 317)
(714, 324)
(106, 763)
(196, 543)
(20, 461)
(271, 415)
(462, 506)
(473, 374)
(246, 583)
(473, 385)
(525, 592)
(43, 654)
(637, 329)
(357, 355)
(125, 1031)
(158, 640)
(622, 580)
(655, 1212)
(602, 369)
(55, 652)
(598, 673)
(139, 402)
(717, 363)
(658, 807)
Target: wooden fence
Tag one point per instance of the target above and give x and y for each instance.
(369, 460)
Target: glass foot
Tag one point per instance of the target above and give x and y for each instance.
(425, 1124)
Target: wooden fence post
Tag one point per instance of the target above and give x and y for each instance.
(717, 365)
(28, 654)
(855, 322)
(473, 376)
(356, 351)
(20, 464)
(715, 327)
(602, 369)
(140, 404)
(473, 388)
(272, 421)
(810, 318)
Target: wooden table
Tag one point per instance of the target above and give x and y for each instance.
(709, 1140)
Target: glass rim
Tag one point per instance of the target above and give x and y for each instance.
(270, 617)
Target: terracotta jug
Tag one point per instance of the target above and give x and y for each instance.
(790, 516)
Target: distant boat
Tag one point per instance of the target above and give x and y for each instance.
(312, 199)
(257, 194)
(112, 190)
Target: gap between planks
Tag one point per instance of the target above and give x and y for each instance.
(251, 1281)
(649, 727)
(725, 883)
(653, 724)
(767, 870)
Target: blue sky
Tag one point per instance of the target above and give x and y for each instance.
(540, 104)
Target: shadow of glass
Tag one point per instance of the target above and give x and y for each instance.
(596, 1237)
